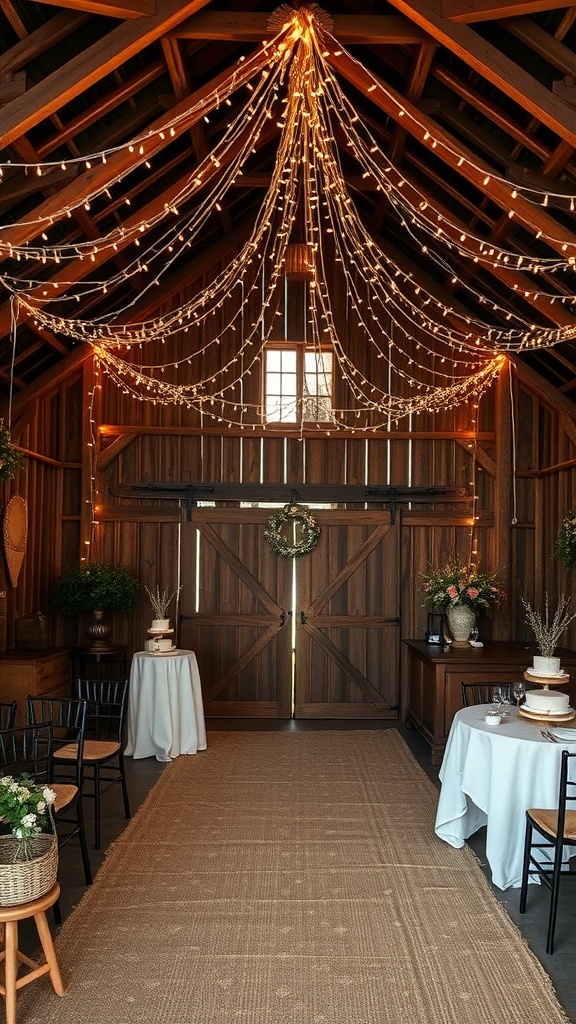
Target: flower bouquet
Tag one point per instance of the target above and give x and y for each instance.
(458, 584)
(29, 854)
(26, 808)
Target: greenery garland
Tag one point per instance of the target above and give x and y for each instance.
(10, 459)
(565, 544)
(303, 531)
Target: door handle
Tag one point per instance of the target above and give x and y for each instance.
(302, 618)
(282, 617)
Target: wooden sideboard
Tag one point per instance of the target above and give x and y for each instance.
(435, 674)
(34, 672)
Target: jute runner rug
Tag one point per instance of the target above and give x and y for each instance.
(292, 878)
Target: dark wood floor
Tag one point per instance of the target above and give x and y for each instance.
(142, 775)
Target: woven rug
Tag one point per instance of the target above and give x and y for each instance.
(292, 878)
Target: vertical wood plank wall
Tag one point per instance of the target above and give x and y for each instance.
(522, 483)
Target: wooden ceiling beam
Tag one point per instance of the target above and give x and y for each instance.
(90, 66)
(42, 39)
(252, 27)
(491, 111)
(123, 161)
(96, 111)
(450, 149)
(414, 87)
(77, 270)
(14, 18)
(493, 65)
(487, 10)
(535, 38)
(109, 8)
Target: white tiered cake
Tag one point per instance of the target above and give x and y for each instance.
(547, 702)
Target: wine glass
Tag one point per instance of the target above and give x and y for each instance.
(498, 696)
(519, 693)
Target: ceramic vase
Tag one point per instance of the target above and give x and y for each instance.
(461, 619)
(99, 631)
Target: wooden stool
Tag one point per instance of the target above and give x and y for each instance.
(11, 955)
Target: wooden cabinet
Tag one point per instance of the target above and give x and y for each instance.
(34, 672)
(435, 674)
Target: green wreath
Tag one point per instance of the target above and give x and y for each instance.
(303, 531)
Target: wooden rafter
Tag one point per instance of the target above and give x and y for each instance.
(373, 29)
(494, 66)
(483, 10)
(109, 8)
(90, 66)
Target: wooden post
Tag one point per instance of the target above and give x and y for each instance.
(503, 483)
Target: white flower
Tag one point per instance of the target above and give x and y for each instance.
(6, 780)
(49, 795)
(29, 820)
(41, 806)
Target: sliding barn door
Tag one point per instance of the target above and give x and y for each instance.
(235, 614)
(347, 639)
(313, 637)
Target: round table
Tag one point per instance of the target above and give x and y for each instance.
(490, 775)
(165, 710)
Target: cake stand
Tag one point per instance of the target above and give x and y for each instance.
(547, 681)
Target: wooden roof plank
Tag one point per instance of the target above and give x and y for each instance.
(123, 161)
(484, 10)
(48, 35)
(110, 8)
(253, 27)
(90, 66)
(450, 149)
(493, 65)
(545, 45)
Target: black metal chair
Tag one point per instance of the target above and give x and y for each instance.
(67, 718)
(482, 693)
(8, 711)
(103, 757)
(557, 828)
(29, 750)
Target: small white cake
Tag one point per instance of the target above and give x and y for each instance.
(548, 701)
(160, 625)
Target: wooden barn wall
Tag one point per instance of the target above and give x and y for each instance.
(521, 475)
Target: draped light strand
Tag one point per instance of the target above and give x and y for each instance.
(442, 355)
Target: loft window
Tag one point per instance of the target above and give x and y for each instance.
(297, 384)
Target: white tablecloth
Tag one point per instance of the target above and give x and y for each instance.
(490, 775)
(165, 710)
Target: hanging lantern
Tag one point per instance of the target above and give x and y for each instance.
(299, 262)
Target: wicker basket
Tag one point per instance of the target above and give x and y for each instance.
(24, 880)
(31, 632)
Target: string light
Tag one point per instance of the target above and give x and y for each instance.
(442, 355)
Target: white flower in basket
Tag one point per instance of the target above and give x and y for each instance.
(29, 855)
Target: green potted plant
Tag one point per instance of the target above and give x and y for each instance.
(564, 549)
(96, 587)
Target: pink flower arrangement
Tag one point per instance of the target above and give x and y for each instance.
(458, 584)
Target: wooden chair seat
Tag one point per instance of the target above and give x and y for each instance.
(12, 957)
(66, 794)
(546, 820)
(550, 836)
(94, 750)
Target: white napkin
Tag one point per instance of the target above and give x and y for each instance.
(564, 734)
